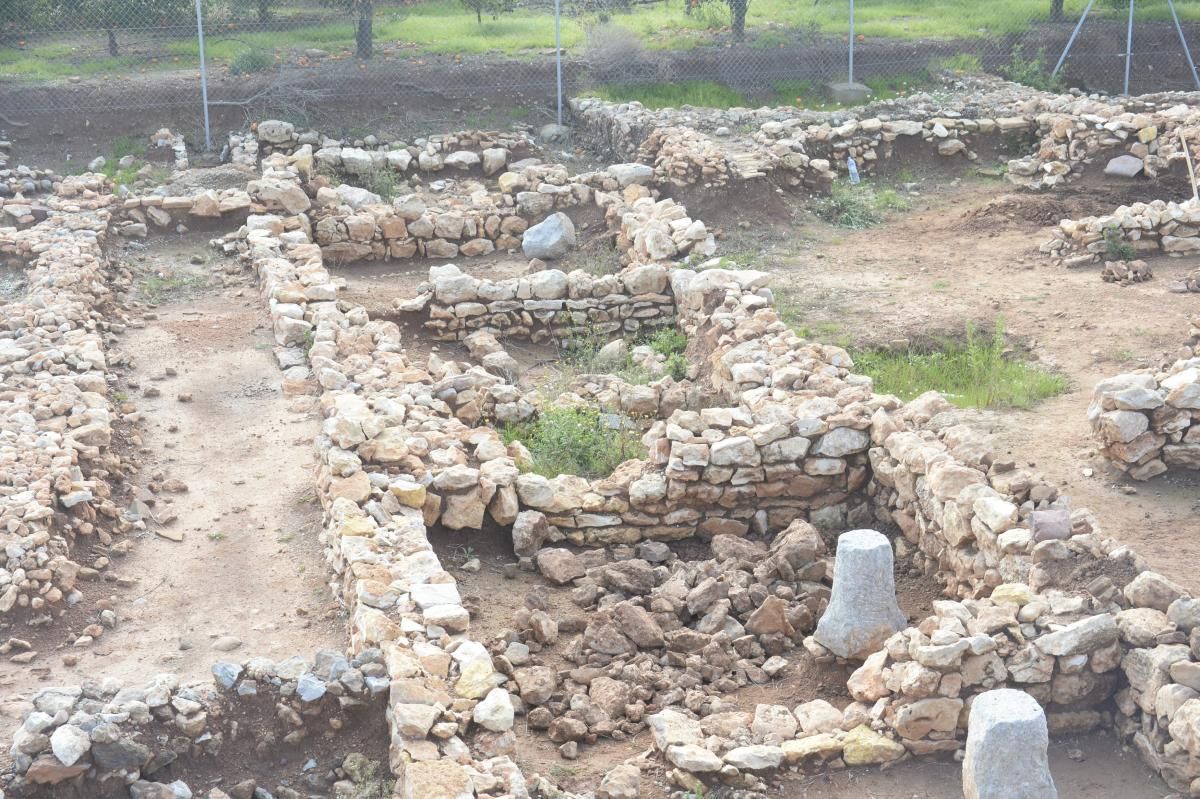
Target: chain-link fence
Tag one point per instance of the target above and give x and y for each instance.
(484, 61)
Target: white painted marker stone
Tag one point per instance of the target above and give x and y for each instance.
(1006, 748)
(862, 610)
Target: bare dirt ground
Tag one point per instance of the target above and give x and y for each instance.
(967, 252)
(241, 557)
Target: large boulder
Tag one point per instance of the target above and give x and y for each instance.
(551, 238)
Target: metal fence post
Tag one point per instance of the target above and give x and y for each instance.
(558, 55)
(1074, 34)
(1128, 47)
(851, 67)
(203, 75)
(1187, 51)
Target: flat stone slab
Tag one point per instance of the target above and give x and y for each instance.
(1124, 166)
(848, 93)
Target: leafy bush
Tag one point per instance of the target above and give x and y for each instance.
(580, 441)
(972, 374)
(858, 206)
(1115, 247)
(668, 341)
(250, 61)
(677, 366)
(1031, 70)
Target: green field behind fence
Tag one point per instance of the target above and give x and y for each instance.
(445, 27)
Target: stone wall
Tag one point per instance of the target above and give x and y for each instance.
(103, 740)
(1149, 422)
(1154, 227)
(55, 418)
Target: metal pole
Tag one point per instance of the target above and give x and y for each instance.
(1182, 40)
(1075, 33)
(851, 66)
(1129, 47)
(203, 76)
(558, 55)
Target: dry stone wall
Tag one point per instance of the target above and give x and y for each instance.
(1149, 422)
(55, 418)
(1154, 227)
(100, 739)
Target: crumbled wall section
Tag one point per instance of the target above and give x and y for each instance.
(1154, 227)
(1149, 422)
(55, 419)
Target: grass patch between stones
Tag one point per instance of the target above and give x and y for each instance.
(858, 205)
(975, 373)
(580, 441)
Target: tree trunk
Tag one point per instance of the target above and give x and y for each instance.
(113, 50)
(1056, 10)
(479, 15)
(364, 38)
(737, 9)
(264, 10)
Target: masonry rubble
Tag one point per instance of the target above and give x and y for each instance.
(1148, 422)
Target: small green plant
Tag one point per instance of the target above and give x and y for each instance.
(580, 441)
(1031, 70)
(462, 554)
(676, 366)
(310, 339)
(120, 396)
(250, 61)
(1115, 246)
(974, 373)
(216, 537)
(668, 341)
(381, 181)
(858, 206)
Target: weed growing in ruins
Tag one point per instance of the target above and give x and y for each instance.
(676, 366)
(858, 205)
(580, 441)
(1115, 246)
(381, 181)
(975, 373)
(668, 341)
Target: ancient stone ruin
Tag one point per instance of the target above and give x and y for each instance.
(756, 535)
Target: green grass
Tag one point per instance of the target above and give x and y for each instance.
(448, 27)
(579, 441)
(711, 94)
(858, 206)
(973, 373)
(706, 93)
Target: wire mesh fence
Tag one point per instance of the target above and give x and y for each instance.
(294, 57)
